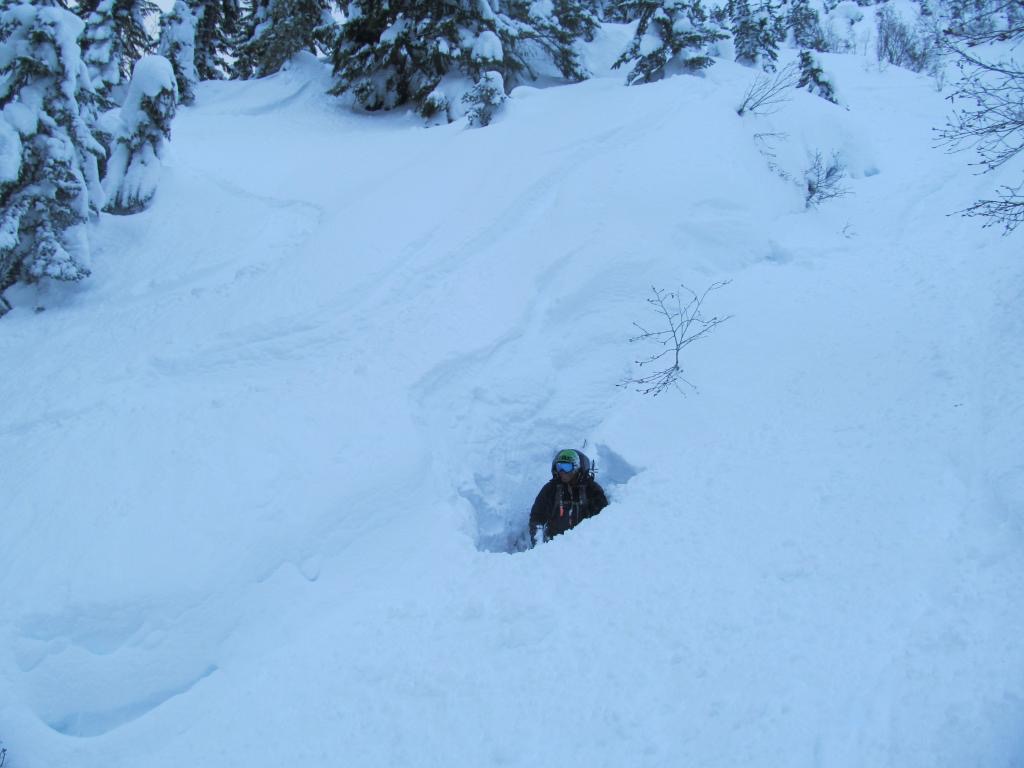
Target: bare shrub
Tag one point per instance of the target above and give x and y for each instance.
(769, 91)
(682, 322)
(766, 146)
(989, 118)
(823, 180)
(917, 49)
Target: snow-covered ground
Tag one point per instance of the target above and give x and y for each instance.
(260, 470)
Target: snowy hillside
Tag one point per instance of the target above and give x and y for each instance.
(261, 471)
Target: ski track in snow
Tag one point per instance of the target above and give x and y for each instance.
(254, 460)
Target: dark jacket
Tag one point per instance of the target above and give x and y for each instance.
(560, 507)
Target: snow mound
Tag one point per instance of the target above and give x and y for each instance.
(251, 465)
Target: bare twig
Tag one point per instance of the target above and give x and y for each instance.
(683, 323)
(979, 28)
(766, 147)
(767, 93)
(994, 123)
(988, 117)
(823, 180)
(1008, 210)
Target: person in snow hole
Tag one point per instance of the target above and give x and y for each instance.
(571, 495)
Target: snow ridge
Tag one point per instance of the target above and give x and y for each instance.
(261, 470)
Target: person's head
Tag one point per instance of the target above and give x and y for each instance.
(566, 465)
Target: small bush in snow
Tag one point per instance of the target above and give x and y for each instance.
(813, 78)
(823, 180)
(436, 105)
(681, 322)
(145, 126)
(49, 175)
(485, 99)
(178, 46)
(769, 92)
(903, 46)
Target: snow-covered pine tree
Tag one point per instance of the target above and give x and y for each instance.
(115, 37)
(616, 11)
(972, 18)
(485, 99)
(145, 127)
(275, 30)
(49, 179)
(216, 27)
(395, 52)
(671, 35)
(756, 32)
(429, 54)
(545, 31)
(389, 56)
(178, 46)
(805, 24)
(813, 78)
(4, 4)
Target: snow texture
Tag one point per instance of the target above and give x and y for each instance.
(487, 48)
(262, 471)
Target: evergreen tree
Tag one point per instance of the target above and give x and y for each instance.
(49, 179)
(805, 24)
(145, 127)
(178, 45)
(216, 27)
(5, 4)
(813, 78)
(756, 32)
(429, 54)
(485, 99)
(275, 30)
(670, 33)
(392, 53)
(115, 38)
(548, 32)
(619, 11)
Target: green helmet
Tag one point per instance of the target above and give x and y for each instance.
(576, 459)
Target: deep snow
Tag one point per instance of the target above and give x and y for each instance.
(256, 466)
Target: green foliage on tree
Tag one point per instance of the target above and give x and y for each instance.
(670, 34)
(275, 30)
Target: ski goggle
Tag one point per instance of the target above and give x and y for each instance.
(564, 466)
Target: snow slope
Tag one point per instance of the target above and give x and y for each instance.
(261, 467)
